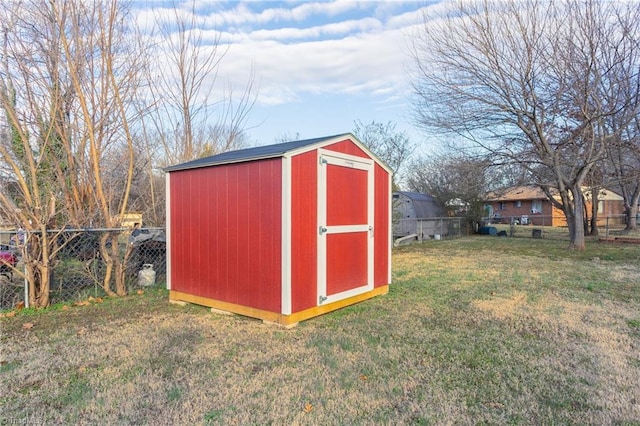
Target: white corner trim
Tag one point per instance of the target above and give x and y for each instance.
(390, 242)
(167, 207)
(285, 304)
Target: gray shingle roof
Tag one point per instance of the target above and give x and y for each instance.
(251, 154)
(424, 205)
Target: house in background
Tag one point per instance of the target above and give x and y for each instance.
(610, 205)
(410, 209)
(529, 205)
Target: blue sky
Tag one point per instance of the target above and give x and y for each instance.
(318, 65)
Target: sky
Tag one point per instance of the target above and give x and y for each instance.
(318, 65)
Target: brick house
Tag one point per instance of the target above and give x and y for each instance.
(530, 205)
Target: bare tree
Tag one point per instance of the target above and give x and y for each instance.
(186, 119)
(287, 137)
(392, 146)
(458, 182)
(525, 82)
(38, 158)
(624, 171)
(622, 167)
(70, 74)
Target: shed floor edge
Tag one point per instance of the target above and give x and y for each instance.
(273, 317)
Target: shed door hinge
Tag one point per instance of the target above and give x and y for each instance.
(321, 299)
(322, 230)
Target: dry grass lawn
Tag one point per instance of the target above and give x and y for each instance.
(478, 330)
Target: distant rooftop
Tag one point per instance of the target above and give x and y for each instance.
(416, 196)
(518, 193)
(535, 193)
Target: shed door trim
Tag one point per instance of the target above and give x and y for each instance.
(326, 158)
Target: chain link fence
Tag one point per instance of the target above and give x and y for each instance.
(78, 268)
(552, 227)
(437, 228)
(406, 231)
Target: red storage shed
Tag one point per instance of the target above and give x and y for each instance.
(283, 232)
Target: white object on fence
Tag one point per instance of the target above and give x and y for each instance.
(404, 240)
(146, 275)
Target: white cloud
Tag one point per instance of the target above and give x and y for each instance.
(362, 54)
(242, 14)
(329, 30)
(371, 62)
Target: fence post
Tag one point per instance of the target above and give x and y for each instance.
(24, 270)
(26, 287)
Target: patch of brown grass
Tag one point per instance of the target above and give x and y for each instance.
(503, 307)
(596, 345)
(464, 336)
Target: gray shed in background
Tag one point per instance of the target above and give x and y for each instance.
(417, 213)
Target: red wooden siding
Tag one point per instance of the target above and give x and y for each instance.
(346, 261)
(346, 196)
(382, 217)
(347, 147)
(223, 246)
(304, 231)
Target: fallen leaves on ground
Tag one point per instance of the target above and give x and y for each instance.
(89, 301)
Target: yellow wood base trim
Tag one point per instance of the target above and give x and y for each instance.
(273, 317)
(329, 307)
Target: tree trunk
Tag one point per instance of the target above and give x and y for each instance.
(119, 265)
(632, 212)
(106, 257)
(38, 269)
(115, 264)
(575, 220)
(41, 299)
(123, 268)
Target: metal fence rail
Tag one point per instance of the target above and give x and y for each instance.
(538, 226)
(436, 228)
(78, 268)
(553, 227)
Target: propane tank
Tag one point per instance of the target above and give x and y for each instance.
(146, 275)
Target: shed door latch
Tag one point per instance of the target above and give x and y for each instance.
(322, 230)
